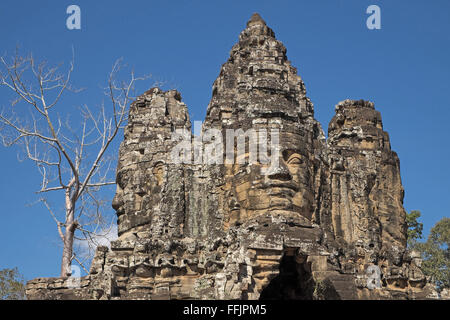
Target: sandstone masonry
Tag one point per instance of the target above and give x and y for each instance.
(310, 230)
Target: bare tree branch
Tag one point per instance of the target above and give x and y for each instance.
(73, 160)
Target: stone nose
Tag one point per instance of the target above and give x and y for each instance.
(117, 201)
(280, 172)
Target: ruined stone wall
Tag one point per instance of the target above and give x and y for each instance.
(310, 228)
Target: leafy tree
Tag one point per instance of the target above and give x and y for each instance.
(414, 227)
(12, 286)
(436, 254)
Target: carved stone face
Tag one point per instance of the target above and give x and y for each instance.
(138, 194)
(118, 203)
(286, 191)
(150, 190)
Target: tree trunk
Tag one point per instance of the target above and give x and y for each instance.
(71, 226)
(66, 263)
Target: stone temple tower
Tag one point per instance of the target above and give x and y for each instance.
(326, 222)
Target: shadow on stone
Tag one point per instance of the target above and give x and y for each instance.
(294, 282)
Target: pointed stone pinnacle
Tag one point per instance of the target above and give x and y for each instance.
(255, 19)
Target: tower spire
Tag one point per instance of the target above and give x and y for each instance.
(255, 19)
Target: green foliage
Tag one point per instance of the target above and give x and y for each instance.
(414, 227)
(436, 254)
(12, 285)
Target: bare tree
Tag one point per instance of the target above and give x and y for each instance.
(72, 159)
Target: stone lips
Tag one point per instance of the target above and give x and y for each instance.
(309, 230)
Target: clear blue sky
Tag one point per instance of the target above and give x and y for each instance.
(404, 68)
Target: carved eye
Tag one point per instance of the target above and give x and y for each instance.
(122, 179)
(295, 159)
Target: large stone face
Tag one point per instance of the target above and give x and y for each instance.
(150, 189)
(314, 226)
(258, 89)
(367, 193)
